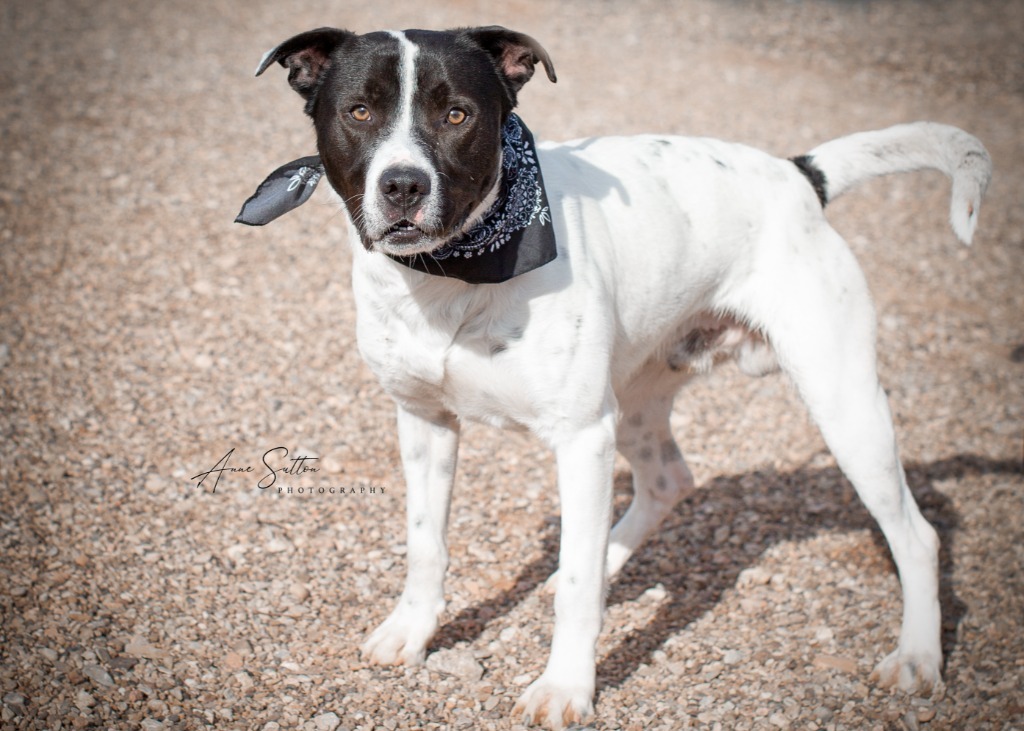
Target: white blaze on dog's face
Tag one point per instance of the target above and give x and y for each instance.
(409, 123)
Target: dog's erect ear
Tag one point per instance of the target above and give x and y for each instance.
(515, 53)
(307, 57)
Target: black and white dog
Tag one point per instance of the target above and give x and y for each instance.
(571, 289)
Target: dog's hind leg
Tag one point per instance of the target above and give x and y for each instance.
(823, 331)
(660, 475)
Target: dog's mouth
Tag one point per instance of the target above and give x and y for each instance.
(403, 232)
(406, 238)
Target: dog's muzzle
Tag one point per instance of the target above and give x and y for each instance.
(404, 193)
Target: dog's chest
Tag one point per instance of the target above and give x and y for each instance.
(461, 356)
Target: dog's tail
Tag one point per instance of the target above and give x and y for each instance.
(836, 166)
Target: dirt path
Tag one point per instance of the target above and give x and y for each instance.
(143, 336)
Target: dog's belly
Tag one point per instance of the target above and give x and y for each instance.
(682, 232)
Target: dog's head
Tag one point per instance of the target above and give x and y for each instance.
(409, 123)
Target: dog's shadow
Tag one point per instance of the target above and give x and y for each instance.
(789, 506)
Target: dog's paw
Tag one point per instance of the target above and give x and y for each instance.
(910, 672)
(555, 705)
(401, 639)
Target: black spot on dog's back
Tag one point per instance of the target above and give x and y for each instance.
(805, 164)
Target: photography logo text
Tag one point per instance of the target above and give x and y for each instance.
(281, 472)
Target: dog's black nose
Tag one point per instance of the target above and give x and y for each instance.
(404, 187)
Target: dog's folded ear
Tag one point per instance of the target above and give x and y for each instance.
(307, 57)
(516, 54)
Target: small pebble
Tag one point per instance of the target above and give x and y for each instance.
(457, 662)
(327, 721)
(278, 545)
(84, 701)
(244, 680)
(331, 466)
(98, 675)
(299, 592)
(754, 576)
(836, 662)
(711, 671)
(139, 647)
(656, 593)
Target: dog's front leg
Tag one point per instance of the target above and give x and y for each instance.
(564, 693)
(429, 452)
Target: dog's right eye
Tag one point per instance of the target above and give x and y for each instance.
(456, 116)
(360, 113)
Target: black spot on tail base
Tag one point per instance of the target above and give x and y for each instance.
(814, 175)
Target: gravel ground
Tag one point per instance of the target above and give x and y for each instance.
(143, 336)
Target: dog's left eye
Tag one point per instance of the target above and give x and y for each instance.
(456, 116)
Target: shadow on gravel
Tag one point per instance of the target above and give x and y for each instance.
(756, 510)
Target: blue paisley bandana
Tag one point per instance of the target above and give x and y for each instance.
(515, 236)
